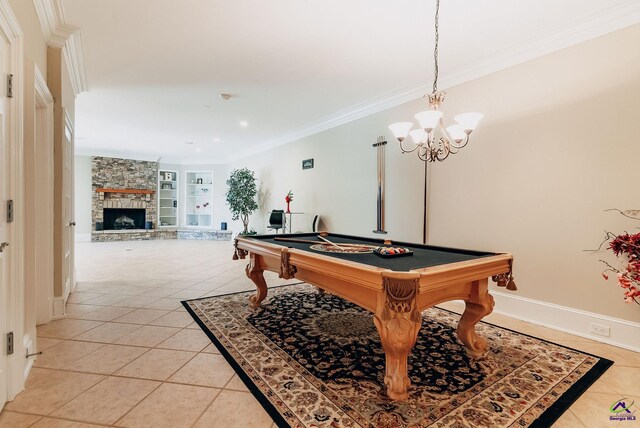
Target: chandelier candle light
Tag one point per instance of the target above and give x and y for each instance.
(432, 141)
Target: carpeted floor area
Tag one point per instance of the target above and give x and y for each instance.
(316, 360)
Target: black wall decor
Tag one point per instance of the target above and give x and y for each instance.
(307, 164)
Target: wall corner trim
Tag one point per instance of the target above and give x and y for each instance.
(41, 86)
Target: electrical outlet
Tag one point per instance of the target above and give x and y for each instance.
(600, 330)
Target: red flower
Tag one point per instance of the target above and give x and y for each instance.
(289, 197)
(626, 244)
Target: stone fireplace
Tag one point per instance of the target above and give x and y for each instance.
(124, 190)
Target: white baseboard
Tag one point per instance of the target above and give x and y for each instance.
(83, 237)
(623, 333)
(58, 307)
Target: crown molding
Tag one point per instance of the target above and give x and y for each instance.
(623, 15)
(74, 57)
(8, 21)
(51, 16)
(63, 36)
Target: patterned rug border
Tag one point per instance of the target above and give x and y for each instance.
(246, 379)
(546, 419)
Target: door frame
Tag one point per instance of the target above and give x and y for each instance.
(17, 368)
(44, 193)
(68, 136)
(39, 202)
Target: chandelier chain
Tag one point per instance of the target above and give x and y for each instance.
(435, 50)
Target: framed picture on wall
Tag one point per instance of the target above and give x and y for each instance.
(307, 164)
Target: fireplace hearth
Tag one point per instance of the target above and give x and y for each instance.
(123, 218)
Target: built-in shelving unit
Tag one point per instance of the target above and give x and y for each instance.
(167, 198)
(198, 199)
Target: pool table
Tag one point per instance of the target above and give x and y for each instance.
(396, 290)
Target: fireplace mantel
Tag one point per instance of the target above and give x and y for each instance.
(135, 191)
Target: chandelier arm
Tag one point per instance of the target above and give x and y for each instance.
(408, 151)
(464, 143)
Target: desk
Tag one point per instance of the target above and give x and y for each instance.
(289, 221)
(395, 290)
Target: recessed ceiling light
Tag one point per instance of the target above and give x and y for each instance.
(244, 123)
(189, 142)
(198, 150)
(216, 140)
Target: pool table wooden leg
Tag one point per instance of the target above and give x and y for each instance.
(398, 322)
(254, 272)
(479, 305)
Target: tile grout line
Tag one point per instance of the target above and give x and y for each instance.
(113, 374)
(207, 407)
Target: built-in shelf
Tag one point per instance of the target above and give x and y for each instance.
(167, 198)
(198, 199)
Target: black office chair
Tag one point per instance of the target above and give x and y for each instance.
(276, 220)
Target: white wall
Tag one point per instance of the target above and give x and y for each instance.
(83, 197)
(556, 148)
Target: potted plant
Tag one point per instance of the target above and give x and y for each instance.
(241, 196)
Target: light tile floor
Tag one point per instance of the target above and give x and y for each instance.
(127, 354)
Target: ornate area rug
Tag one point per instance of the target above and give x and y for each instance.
(315, 360)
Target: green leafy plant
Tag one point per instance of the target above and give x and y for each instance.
(241, 196)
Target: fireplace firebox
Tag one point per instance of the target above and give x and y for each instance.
(123, 218)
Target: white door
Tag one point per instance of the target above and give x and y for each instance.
(68, 234)
(4, 196)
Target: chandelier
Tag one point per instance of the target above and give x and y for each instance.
(433, 142)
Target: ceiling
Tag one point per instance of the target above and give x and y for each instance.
(155, 68)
